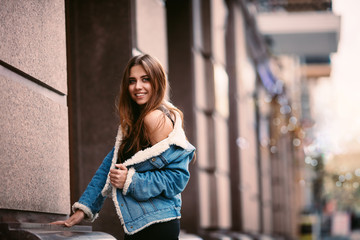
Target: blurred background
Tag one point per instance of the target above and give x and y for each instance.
(269, 90)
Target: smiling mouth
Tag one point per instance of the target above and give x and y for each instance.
(140, 94)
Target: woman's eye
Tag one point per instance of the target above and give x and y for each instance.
(132, 81)
(146, 79)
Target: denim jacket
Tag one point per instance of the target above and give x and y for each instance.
(152, 192)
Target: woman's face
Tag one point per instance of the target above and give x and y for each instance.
(139, 85)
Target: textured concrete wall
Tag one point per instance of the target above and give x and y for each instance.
(34, 145)
(33, 39)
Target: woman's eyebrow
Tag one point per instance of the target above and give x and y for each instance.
(140, 76)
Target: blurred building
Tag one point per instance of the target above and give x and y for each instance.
(303, 34)
(238, 69)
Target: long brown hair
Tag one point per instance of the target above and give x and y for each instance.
(135, 135)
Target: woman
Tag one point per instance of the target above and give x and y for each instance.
(147, 169)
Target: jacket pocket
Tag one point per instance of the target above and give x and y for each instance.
(148, 206)
(157, 204)
(151, 164)
(158, 162)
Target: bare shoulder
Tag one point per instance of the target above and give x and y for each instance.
(153, 116)
(158, 125)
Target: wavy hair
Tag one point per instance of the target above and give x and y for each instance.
(134, 132)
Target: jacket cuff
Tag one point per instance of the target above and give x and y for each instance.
(88, 214)
(128, 181)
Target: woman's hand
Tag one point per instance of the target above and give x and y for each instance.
(118, 176)
(76, 218)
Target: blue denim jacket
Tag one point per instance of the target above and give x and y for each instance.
(152, 192)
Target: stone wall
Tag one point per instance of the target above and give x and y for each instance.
(34, 146)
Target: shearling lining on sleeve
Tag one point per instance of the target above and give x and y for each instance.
(128, 181)
(88, 214)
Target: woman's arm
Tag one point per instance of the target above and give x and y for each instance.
(92, 200)
(168, 180)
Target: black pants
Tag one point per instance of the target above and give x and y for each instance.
(167, 231)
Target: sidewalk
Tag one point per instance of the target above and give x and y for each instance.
(355, 235)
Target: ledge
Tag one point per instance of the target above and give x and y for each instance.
(36, 231)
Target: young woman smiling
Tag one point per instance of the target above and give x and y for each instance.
(147, 169)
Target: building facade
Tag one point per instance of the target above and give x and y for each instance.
(64, 60)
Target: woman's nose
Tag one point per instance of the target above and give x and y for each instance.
(138, 85)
